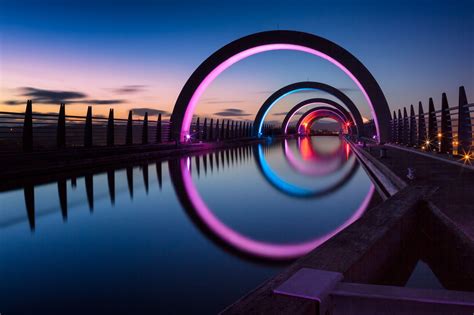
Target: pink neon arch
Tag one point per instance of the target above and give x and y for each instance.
(188, 115)
(248, 245)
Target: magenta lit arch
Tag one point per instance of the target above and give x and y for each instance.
(278, 40)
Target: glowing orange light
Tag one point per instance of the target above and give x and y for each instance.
(439, 135)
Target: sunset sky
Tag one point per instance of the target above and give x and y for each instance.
(139, 54)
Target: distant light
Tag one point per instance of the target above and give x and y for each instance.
(427, 142)
(439, 135)
(423, 147)
(188, 136)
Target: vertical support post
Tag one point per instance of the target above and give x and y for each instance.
(198, 129)
(227, 131)
(211, 131)
(158, 130)
(28, 127)
(400, 127)
(464, 124)
(421, 126)
(110, 129)
(406, 127)
(222, 130)
(432, 126)
(129, 134)
(145, 129)
(217, 130)
(393, 126)
(232, 130)
(61, 130)
(413, 127)
(446, 128)
(88, 128)
(204, 130)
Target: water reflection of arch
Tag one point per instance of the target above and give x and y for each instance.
(319, 164)
(295, 191)
(303, 126)
(233, 241)
(350, 115)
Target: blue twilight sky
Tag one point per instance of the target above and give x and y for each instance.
(139, 54)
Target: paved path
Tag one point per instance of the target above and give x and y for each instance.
(455, 196)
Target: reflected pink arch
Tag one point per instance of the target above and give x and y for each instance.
(185, 127)
(248, 245)
(319, 169)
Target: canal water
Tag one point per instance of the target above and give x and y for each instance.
(189, 235)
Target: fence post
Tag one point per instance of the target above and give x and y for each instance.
(421, 126)
(88, 128)
(158, 130)
(129, 135)
(145, 129)
(61, 130)
(110, 128)
(227, 131)
(406, 127)
(211, 132)
(432, 125)
(464, 124)
(217, 130)
(400, 127)
(28, 127)
(394, 127)
(446, 129)
(198, 129)
(412, 140)
(204, 130)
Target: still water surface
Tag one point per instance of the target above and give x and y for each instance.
(189, 235)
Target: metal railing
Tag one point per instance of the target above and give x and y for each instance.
(446, 130)
(32, 131)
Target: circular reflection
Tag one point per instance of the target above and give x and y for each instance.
(224, 235)
(315, 162)
(296, 191)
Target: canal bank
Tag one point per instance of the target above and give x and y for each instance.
(44, 166)
(372, 259)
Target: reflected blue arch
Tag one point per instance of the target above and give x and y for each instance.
(293, 190)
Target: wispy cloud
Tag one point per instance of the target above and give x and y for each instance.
(151, 111)
(130, 89)
(43, 96)
(49, 96)
(232, 112)
(284, 114)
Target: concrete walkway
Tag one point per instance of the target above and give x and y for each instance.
(455, 197)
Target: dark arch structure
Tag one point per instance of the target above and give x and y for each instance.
(319, 113)
(353, 116)
(278, 40)
(305, 86)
